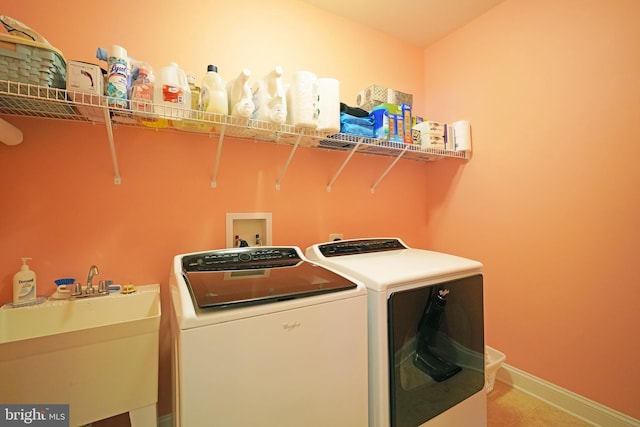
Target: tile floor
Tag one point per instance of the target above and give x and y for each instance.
(508, 407)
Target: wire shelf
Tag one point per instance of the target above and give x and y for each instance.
(22, 99)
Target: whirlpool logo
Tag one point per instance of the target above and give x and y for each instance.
(34, 415)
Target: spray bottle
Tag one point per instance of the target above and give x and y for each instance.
(239, 93)
(118, 77)
(270, 98)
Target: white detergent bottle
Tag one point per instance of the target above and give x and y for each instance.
(171, 94)
(213, 93)
(24, 284)
(240, 97)
(269, 97)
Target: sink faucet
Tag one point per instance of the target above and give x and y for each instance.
(93, 270)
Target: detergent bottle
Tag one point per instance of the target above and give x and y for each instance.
(195, 122)
(172, 95)
(269, 97)
(213, 94)
(240, 97)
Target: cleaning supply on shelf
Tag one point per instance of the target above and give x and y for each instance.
(213, 92)
(142, 98)
(302, 100)
(142, 90)
(196, 107)
(171, 93)
(380, 122)
(406, 112)
(117, 77)
(194, 122)
(24, 284)
(328, 105)
(270, 98)
(239, 95)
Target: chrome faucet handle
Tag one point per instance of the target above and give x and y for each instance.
(103, 286)
(77, 289)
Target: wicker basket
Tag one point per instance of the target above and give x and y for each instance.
(25, 61)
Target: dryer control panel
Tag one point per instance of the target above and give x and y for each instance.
(361, 246)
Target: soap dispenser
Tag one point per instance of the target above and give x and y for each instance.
(24, 284)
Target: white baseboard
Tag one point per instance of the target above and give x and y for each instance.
(572, 403)
(580, 407)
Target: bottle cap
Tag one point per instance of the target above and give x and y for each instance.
(212, 68)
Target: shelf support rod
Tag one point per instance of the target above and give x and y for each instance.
(353, 150)
(286, 165)
(373, 187)
(214, 180)
(117, 179)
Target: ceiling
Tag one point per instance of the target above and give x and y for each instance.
(420, 22)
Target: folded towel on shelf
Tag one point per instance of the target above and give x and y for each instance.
(362, 126)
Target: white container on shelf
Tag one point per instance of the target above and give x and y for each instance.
(213, 92)
(172, 95)
(302, 100)
(328, 105)
(270, 98)
(240, 97)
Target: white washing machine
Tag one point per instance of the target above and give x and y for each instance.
(263, 337)
(426, 331)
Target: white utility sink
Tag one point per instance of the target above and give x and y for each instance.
(97, 354)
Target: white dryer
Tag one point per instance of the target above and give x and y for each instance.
(426, 331)
(263, 337)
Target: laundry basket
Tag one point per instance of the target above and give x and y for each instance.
(493, 361)
(26, 61)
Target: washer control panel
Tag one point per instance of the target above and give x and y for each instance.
(241, 259)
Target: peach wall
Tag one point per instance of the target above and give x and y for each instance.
(61, 207)
(550, 200)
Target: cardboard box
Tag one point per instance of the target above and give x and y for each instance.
(406, 116)
(84, 77)
(375, 95)
(429, 126)
(85, 87)
(428, 140)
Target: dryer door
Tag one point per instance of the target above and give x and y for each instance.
(436, 348)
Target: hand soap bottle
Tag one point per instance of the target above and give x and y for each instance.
(24, 284)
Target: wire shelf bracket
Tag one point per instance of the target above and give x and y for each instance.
(373, 187)
(286, 165)
(214, 179)
(344, 163)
